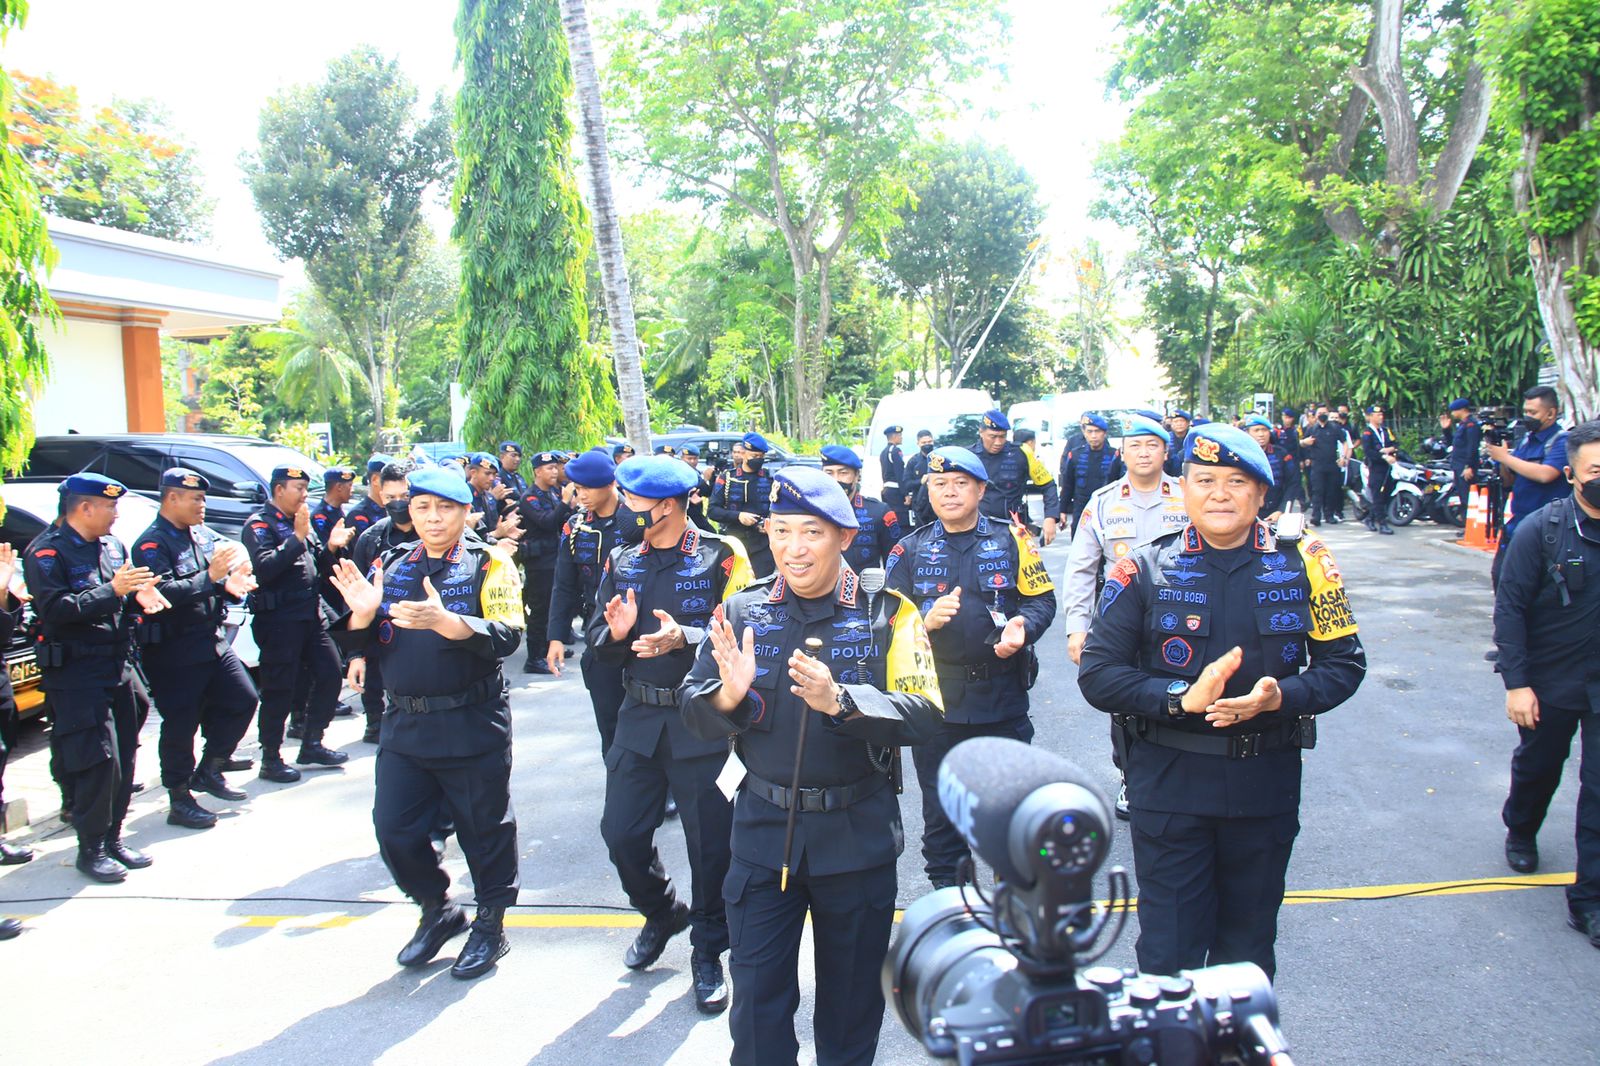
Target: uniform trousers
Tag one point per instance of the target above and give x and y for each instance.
(218, 695)
(536, 588)
(1536, 774)
(605, 693)
(852, 915)
(94, 739)
(636, 795)
(1327, 491)
(372, 692)
(1209, 888)
(1380, 487)
(943, 850)
(288, 647)
(475, 790)
(10, 725)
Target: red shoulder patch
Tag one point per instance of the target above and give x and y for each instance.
(890, 519)
(43, 552)
(727, 565)
(1124, 571)
(258, 525)
(148, 546)
(897, 551)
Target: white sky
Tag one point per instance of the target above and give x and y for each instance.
(214, 63)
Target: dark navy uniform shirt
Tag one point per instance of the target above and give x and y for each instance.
(361, 517)
(739, 490)
(70, 581)
(879, 532)
(1551, 647)
(543, 513)
(1083, 470)
(287, 568)
(188, 631)
(1012, 471)
(1464, 445)
(1548, 447)
(892, 464)
(587, 541)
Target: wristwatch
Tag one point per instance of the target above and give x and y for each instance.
(1175, 693)
(847, 703)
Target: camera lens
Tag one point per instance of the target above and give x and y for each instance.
(942, 958)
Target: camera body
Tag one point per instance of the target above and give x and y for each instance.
(1499, 426)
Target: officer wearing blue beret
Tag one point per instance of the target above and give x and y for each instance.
(1086, 468)
(656, 599)
(1011, 472)
(440, 615)
(368, 510)
(388, 532)
(986, 599)
(83, 586)
(1280, 466)
(878, 525)
(496, 522)
(1200, 650)
(195, 678)
(542, 511)
(289, 560)
(739, 502)
(816, 823)
(1286, 440)
(1178, 424)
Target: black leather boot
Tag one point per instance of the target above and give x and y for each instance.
(96, 865)
(236, 764)
(440, 921)
(710, 987)
(486, 944)
(132, 858)
(273, 768)
(9, 928)
(14, 856)
(297, 726)
(313, 753)
(183, 811)
(208, 778)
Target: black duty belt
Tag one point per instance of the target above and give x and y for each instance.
(1238, 746)
(479, 692)
(834, 798)
(650, 695)
(976, 671)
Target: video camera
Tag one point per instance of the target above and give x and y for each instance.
(996, 980)
(1500, 426)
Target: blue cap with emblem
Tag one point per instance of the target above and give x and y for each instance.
(511, 446)
(86, 484)
(482, 460)
(994, 418)
(1218, 444)
(1290, 411)
(755, 442)
(1375, 409)
(1139, 426)
(892, 430)
(337, 475)
(656, 477)
(183, 478)
(377, 462)
(621, 450)
(955, 460)
(593, 469)
(1255, 420)
(1462, 404)
(1097, 421)
(546, 458)
(807, 490)
(1154, 416)
(436, 481)
(666, 449)
(289, 473)
(1181, 413)
(839, 455)
(690, 449)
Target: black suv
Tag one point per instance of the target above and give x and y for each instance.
(237, 467)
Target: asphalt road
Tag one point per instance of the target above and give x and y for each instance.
(271, 938)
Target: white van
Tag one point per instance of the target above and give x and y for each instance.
(951, 415)
(1054, 418)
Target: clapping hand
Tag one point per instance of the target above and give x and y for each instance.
(149, 599)
(943, 610)
(668, 638)
(340, 535)
(223, 561)
(240, 582)
(426, 613)
(362, 596)
(130, 578)
(1011, 638)
(621, 614)
(302, 522)
(736, 663)
(509, 527)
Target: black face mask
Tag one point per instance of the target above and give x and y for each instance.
(925, 448)
(753, 463)
(399, 511)
(631, 524)
(1590, 491)
(1531, 424)
(1322, 418)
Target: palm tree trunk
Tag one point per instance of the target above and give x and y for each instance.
(607, 230)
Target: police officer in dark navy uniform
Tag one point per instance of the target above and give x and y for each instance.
(510, 476)
(1465, 444)
(877, 524)
(1178, 423)
(1286, 441)
(1087, 468)
(82, 584)
(892, 464)
(587, 540)
(499, 518)
(195, 678)
(10, 618)
(440, 615)
(916, 503)
(739, 500)
(1011, 472)
(697, 495)
(387, 533)
(288, 624)
(1379, 452)
(544, 509)
(1280, 465)
(368, 510)
(866, 688)
(338, 484)
(656, 598)
(1215, 648)
(985, 599)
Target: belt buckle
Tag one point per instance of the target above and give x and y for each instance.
(1244, 746)
(411, 704)
(812, 800)
(978, 672)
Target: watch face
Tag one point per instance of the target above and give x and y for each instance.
(1177, 688)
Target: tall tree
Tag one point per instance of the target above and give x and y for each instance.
(339, 180)
(523, 235)
(607, 228)
(796, 113)
(25, 256)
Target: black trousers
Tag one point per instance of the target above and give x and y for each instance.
(94, 759)
(605, 692)
(943, 850)
(287, 648)
(410, 793)
(216, 696)
(536, 588)
(1327, 491)
(1292, 488)
(1382, 490)
(636, 795)
(10, 726)
(372, 692)
(851, 918)
(1209, 888)
(1536, 774)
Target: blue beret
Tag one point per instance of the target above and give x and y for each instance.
(755, 442)
(183, 478)
(483, 460)
(690, 449)
(593, 470)
(1154, 416)
(807, 490)
(656, 477)
(376, 462)
(1200, 421)
(510, 446)
(337, 475)
(1181, 413)
(1462, 404)
(1097, 421)
(291, 473)
(892, 430)
(1290, 411)
(1256, 420)
(666, 449)
(1376, 408)
(92, 485)
(1218, 444)
(839, 455)
(956, 461)
(1140, 426)
(436, 481)
(994, 418)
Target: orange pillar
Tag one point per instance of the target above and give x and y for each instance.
(141, 377)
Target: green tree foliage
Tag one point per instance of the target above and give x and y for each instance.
(120, 167)
(339, 180)
(25, 256)
(523, 234)
(797, 115)
(962, 239)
